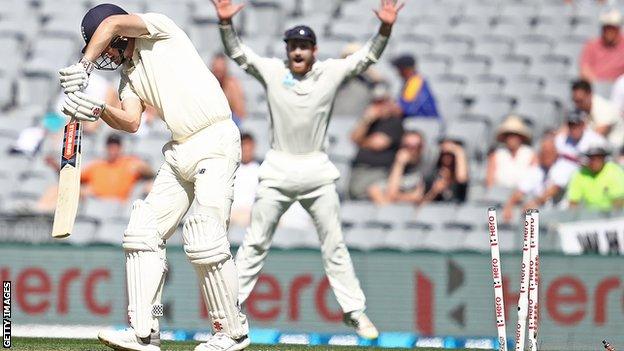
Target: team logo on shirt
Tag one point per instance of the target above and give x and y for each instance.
(289, 80)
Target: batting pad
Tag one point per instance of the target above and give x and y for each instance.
(207, 248)
(146, 265)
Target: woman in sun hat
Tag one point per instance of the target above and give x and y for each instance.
(510, 162)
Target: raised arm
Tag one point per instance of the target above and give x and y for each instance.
(242, 55)
(371, 52)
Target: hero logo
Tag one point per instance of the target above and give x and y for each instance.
(500, 321)
(495, 269)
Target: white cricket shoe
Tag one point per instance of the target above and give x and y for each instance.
(362, 325)
(127, 340)
(222, 342)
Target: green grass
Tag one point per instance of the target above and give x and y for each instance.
(39, 344)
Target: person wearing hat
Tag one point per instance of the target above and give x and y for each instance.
(161, 68)
(508, 164)
(378, 136)
(602, 59)
(300, 93)
(416, 99)
(599, 184)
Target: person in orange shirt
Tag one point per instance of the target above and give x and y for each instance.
(114, 176)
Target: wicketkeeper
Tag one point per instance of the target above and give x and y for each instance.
(161, 68)
(300, 93)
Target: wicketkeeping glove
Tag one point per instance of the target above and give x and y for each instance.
(83, 107)
(76, 76)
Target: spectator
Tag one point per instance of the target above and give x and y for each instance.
(449, 181)
(509, 164)
(245, 182)
(598, 185)
(416, 98)
(378, 135)
(602, 59)
(604, 116)
(230, 85)
(112, 177)
(541, 185)
(405, 183)
(354, 94)
(572, 142)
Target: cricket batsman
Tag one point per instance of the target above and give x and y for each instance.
(300, 92)
(161, 68)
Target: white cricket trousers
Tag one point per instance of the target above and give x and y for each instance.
(309, 179)
(200, 168)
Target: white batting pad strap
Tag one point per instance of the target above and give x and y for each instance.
(219, 287)
(142, 231)
(205, 240)
(145, 271)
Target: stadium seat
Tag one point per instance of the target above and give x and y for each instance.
(453, 45)
(259, 129)
(36, 89)
(512, 65)
(179, 12)
(493, 46)
(475, 27)
(365, 238)
(496, 107)
(263, 18)
(407, 239)
(534, 45)
(551, 65)
(446, 239)
(355, 213)
(104, 209)
(473, 132)
(394, 215)
(523, 86)
(471, 65)
(290, 238)
(111, 231)
(511, 26)
(204, 35)
(429, 127)
(484, 85)
(341, 147)
(447, 84)
(433, 64)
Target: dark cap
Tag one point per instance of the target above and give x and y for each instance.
(599, 150)
(94, 17)
(301, 33)
(576, 116)
(113, 139)
(404, 61)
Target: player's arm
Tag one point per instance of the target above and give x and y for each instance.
(127, 118)
(129, 26)
(243, 56)
(370, 53)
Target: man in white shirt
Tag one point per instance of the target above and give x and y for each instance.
(572, 144)
(300, 93)
(161, 68)
(603, 116)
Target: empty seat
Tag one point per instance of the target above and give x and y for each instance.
(365, 238)
(534, 45)
(471, 65)
(103, 209)
(434, 213)
(493, 46)
(453, 45)
(485, 84)
(353, 213)
(433, 64)
(446, 239)
(448, 84)
(290, 238)
(396, 214)
(429, 127)
(474, 26)
(473, 133)
(551, 65)
(512, 26)
(264, 19)
(512, 65)
(496, 107)
(36, 89)
(523, 86)
(545, 113)
(339, 132)
(407, 239)
(6, 91)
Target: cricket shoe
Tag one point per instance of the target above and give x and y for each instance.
(222, 342)
(127, 340)
(363, 326)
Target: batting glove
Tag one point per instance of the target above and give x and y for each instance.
(83, 107)
(76, 76)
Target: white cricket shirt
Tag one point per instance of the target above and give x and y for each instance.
(167, 73)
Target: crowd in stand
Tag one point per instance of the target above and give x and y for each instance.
(577, 164)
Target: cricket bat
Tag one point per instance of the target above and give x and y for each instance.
(69, 181)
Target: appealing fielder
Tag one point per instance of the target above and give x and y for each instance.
(300, 94)
(161, 67)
